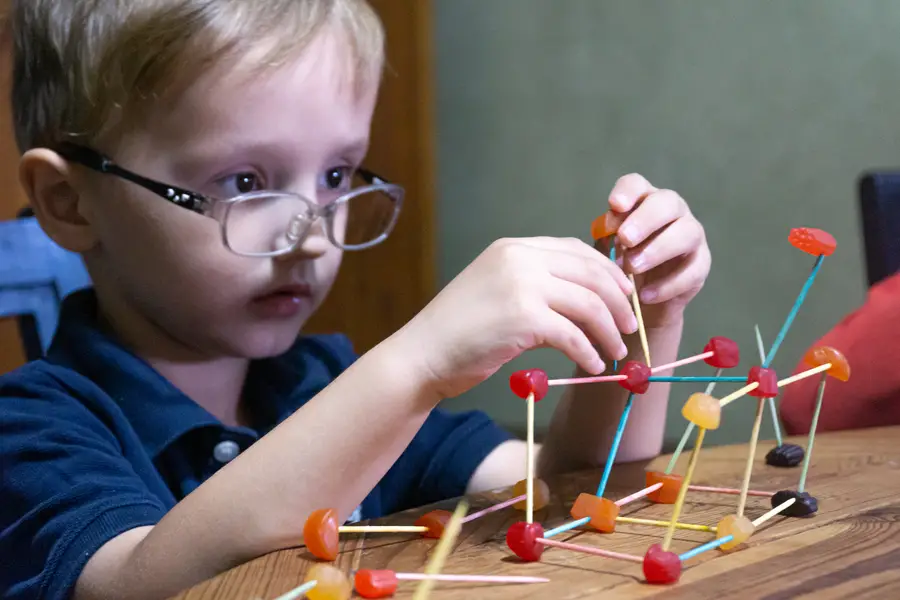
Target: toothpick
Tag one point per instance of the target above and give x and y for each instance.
(738, 393)
(793, 314)
(444, 545)
(638, 495)
(804, 374)
(614, 449)
(582, 380)
(687, 430)
(494, 508)
(682, 362)
(812, 433)
(705, 547)
(612, 257)
(382, 529)
(640, 319)
(693, 379)
(776, 422)
(775, 511)
(529, 462)
(748, 468)
(589, 550)
(682, 492)
(471, 578)
(298, 591)
(686, 526)
(730, 491)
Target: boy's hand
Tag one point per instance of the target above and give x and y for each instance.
(517, 295)
(664, 246)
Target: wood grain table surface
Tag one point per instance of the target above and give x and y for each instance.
(849, 549)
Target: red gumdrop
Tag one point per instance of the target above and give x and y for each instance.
(661, 566)
(726, 354)
(375, 583)
(768, 382)
(812, 241)
(638, 375)
(521, 538)
(531, 381)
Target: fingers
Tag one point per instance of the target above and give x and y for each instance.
(686, 280)
(654, 213)
(599, 281)
(563, 335)
(680, 238)
(578, 248)
(581, 306)
(628, 191)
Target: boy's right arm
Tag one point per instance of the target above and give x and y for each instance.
(519, 294)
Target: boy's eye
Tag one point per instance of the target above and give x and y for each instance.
(337, 178)
(240, 183)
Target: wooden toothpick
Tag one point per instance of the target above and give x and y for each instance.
(529, 461)
(640, 319)
(776, 423)
(751, 455)
(444, 545)
(679, 502)
(812, 433)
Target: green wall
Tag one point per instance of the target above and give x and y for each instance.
(762, 115)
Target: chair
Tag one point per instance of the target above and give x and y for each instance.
(35, 275)
(879, 203)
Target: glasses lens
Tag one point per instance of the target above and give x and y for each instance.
(365, 217)
(266, 224)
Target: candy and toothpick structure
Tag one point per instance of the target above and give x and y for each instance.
(703, 412)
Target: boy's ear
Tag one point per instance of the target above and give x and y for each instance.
(59, 208)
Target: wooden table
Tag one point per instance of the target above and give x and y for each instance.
(851, 548)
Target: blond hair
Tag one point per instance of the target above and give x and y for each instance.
(84, 68)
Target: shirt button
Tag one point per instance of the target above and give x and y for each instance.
(226, 451)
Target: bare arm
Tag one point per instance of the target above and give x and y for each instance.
(259, 502)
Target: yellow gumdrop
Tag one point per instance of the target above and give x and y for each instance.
(331, 584)
(703, 411)
(541, 494)
(739, 527)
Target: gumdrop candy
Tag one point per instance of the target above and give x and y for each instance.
(805, 505)
(320, 534)
(331, 583)
(606, 225)
(435, 521)
(375, 583)
(661, 566)
(812, 241)
(541, 494)
(840, 368)
(740, 528)
(601, 511)
(522, 538)
(703, 411)
(785, 455)
(527, 382)
(668, 493)
(726, 354)
(768, 382)
(638, 375)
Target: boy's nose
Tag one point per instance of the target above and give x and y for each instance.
(314, 244)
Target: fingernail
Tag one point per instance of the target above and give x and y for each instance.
(649, 295)
(632, 324)
(619, 200)
(623, 351)
(627, 233)
(637, 261)
(599, 366)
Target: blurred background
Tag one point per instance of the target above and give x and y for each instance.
(515, 118)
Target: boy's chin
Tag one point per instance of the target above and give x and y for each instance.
(266, 342)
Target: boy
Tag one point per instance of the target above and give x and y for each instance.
(198, 154)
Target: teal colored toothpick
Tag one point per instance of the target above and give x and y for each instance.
(793, 314)
(692, 379)
(812, 433)
(776, 423)
(607, 468)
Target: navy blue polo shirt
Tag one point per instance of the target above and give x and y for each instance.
(94, 442)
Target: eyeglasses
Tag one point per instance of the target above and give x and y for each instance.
(267, 223)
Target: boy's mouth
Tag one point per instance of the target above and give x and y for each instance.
(284, 301)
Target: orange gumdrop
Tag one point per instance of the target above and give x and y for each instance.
(668, 493)
(812, 241)
(840, 368)
(320, 534)
(435, 521)
(605, 225)
(602, 512)
(541, 494)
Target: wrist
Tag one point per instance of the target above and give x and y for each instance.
(401, 358)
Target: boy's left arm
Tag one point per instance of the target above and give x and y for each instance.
(665, 247)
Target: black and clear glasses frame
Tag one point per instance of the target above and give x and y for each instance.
(295, 231)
